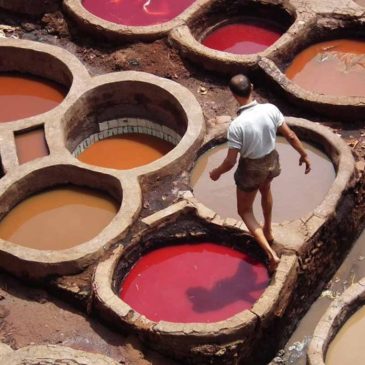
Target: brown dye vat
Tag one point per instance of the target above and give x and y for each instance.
(351, 270)
(23, 96)
(295, 194)
(31, 145)
(58, 218)
(347, 348)
(126, 151)
(334, 68)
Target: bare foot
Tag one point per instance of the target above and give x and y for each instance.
(273, 264)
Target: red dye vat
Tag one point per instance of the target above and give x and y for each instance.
(250, 36)
(137, 12)
(200, 283)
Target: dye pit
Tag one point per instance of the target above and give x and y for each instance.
(34, 94)
(59, 218)
(249, 36)
(307, 191)
(322, 67)
(137, 12)
(215, 283)
(30, 315)
(31, 145)
(125, 152)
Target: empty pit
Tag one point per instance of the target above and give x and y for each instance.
(333, 68)
(136, 12)
(31, 144)
(292, 185)
(193, 283)
(58, 218)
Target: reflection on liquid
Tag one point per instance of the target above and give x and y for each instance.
(126, 151)
(137, 12)
(58, 218)
(202, 282)
(251, 36)
(294, 193)
(333, 68)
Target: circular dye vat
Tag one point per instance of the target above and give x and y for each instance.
(251, 35)
(58, 218)
(125, 151)
(199, 283)
(294, 193)
(347, 348)
(137, 12)
(334, 68)
(23, 96)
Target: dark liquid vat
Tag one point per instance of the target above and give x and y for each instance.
(347, 348)
(24, 96)
(250, 36)
(334, 68)
(351, 270)
(294, 193)
(58, 219)
(137, 12)
(31, 145)
(188, 283)
(126, 151)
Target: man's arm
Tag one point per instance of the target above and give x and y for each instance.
(294, 141)
(226, 165)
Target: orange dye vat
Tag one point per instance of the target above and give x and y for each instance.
(126, 151)
(201, 282)
(335, 68)
(31, 145)
(58, 218)
(22, 96)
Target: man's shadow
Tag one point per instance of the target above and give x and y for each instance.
(227, 291)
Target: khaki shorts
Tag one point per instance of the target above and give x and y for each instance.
(251, 173)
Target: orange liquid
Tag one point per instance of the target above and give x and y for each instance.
(59, 218)
(31, 145)
(25, 96)
(126, 151)
(334, 68)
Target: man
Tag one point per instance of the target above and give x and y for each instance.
(252, 135)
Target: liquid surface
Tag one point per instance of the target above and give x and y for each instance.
(202, 282)
(335, 68)
(347, 348)
(252, 36)
(351, 270)
(294, 193)
(360, 2)
(126, 151)
(58, 219)
(31, 145)
(137, 12)
(25, 96)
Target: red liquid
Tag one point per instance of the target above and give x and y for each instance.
(188, 283)
(25, 96)
(243, 38)
(137, 12)
(31, 145)
(334, 68)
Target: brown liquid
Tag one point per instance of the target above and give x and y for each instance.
(334, 68)
(347, 348)
(31, 145)
(125, 151)
(294, 193)
(58, 219)
(25, 96)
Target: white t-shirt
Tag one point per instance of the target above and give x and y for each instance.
(253, 132)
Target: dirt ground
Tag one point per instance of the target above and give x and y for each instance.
(32, 316)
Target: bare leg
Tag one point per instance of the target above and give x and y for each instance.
(244, 207)
(266, 204)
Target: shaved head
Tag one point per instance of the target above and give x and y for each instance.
(240, 85)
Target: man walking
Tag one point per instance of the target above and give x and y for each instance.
(252, 135)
